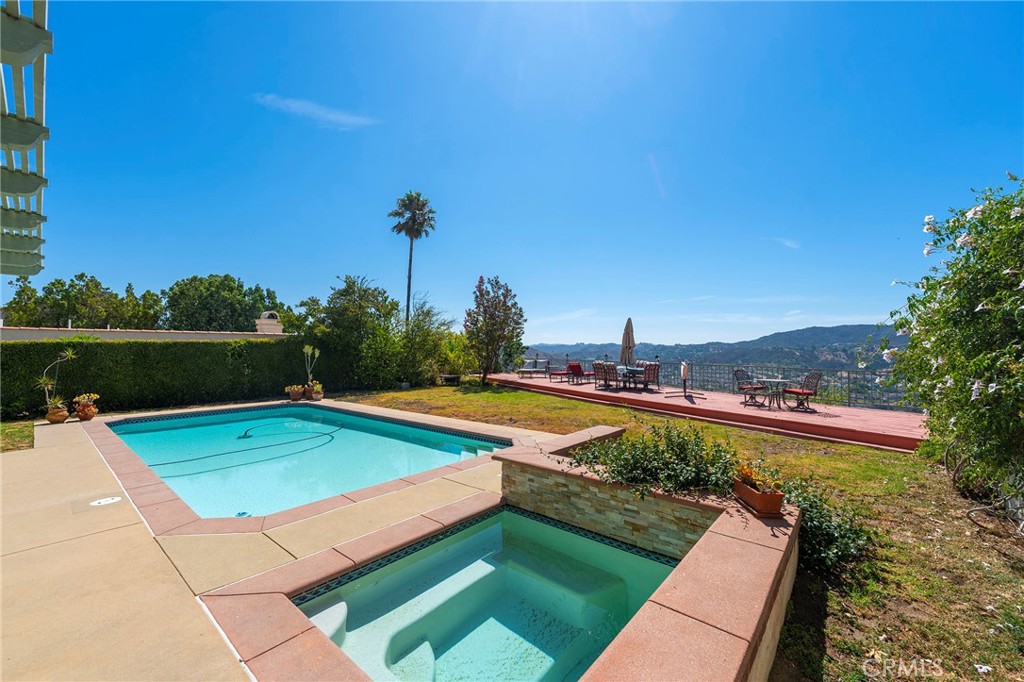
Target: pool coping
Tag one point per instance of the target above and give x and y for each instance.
(719, 611)
(165, 513)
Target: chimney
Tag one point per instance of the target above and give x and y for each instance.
(268, 323)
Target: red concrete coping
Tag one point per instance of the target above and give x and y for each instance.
(167, 514)
(275, 639)
(709, 616)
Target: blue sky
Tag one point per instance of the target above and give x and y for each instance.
(715, 171)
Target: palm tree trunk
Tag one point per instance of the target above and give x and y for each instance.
(408, 286)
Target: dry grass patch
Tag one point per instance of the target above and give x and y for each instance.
(16, 436)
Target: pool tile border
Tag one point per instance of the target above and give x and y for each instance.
(167, 514)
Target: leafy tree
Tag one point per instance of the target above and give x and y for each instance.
(964, 362)
(494, 323)
(456, 356)
(83, 300)
(355, 317)
(423, 339)
(216, 303)
(415, 219)
(143, 312)
(23, 308)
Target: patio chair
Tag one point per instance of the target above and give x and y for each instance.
(560, 374)
(577, 375)
(754, 392)
(606, 374)
(652, 374)
(533, 367)
(802, 395)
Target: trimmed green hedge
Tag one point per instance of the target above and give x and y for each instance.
(132, 375)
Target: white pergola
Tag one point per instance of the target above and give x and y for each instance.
(24, 44)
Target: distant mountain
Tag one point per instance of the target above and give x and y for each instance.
(820, 347)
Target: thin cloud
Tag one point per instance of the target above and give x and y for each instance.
(788, 243)
(325, 116)
(657, 175)
(580, 314)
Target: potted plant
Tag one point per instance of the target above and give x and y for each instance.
(294, 392)
(314, 390)
(85, 406)
(758, 490)
(54, 403)
(56, 410)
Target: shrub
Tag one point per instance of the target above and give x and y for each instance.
(964, 361)
(153, 374)
(679, 460)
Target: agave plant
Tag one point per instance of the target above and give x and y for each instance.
(47, 383)
(312, 355)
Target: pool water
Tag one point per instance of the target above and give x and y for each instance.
(509, 598)
(257, 462)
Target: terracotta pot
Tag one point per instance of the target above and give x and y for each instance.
(308, 392)
(764, 505)
(86, 411)
(57, 415)
(295, 395)
(317, 395)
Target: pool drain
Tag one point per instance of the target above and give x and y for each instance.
(103, 501)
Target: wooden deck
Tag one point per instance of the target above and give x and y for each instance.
(888, 429)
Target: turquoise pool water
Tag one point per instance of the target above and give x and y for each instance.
(257, 462)
(509, 598)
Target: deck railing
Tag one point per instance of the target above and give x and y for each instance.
(853, 388)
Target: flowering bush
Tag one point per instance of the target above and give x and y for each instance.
(964, 362)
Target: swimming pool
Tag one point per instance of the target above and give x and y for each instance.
(256, 462)
(515, 596)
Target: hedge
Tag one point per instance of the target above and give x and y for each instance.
(131, 375)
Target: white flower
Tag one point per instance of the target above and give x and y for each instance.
(888, 354)
(1009, 271)
(928, 219)
(937, 361)
(949, 380)
(982, 668)
(929, 249)
(974, 212)
(879, 380)
(862, 365)
(1015, 212)
(952, 420)
(1021, 285)
(927, 343)
(992, 387)
(902, 331)
(976, 389)
(983, 306)
(965, 240)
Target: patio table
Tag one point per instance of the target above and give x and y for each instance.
(775, 387)
(629, 374)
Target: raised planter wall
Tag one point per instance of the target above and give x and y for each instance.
(719, 613)
(654, 523)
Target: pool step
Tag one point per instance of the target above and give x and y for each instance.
(575, 592)
(418, 664)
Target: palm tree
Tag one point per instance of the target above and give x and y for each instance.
(415, 220)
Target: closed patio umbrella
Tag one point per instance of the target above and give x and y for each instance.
(628, 344)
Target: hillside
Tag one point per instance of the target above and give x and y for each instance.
(820, 347)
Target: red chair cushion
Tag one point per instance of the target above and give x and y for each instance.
(559, 373)
(755, 387)
(797, 391)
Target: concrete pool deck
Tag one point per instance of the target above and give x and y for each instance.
(90, 594)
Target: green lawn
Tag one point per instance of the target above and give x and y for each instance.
(938, 587)
(16, 436)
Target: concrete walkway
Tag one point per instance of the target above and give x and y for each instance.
(90, 594)
(87, 593)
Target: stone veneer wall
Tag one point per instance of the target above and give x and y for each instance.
(654, 523)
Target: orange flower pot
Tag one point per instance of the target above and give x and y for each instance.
(763, 505)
